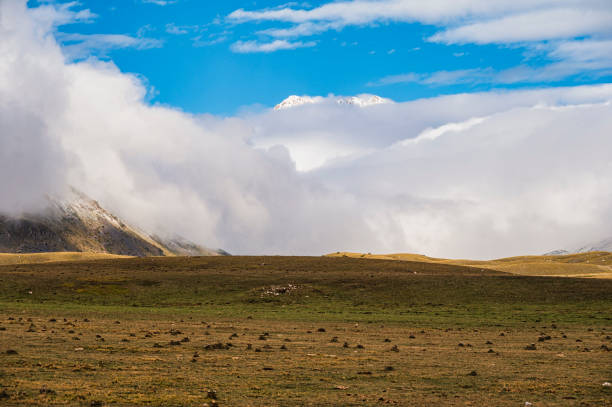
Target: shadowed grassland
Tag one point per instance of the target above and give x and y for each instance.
(157, 331)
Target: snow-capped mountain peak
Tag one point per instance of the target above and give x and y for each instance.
(363, 100)
(294, 100)
(360, 101)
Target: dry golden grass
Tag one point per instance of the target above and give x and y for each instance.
(37, 258)
(583, 265)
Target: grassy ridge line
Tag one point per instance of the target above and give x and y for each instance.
(39, 258)
(584, 265)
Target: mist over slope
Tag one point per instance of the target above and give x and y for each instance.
(477, 175)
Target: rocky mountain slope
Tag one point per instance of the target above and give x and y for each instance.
(80, 224)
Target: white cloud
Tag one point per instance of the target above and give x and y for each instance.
(504, 183)
(211, 40)
(585, 51)
(439, 78)
(172, 28)
(299, 30)
(361, 12)
(48, 16)
(585, 58)
(244, 47)
(160, 2)
(529, 174)
(433, 133)
(410, 77)
(535, 25)
(77, 46)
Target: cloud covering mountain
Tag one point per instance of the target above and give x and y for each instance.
(470, 175)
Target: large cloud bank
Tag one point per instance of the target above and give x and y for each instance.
(480, 175)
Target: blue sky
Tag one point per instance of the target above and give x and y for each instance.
(189, 50)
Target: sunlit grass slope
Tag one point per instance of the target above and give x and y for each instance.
(36, 258)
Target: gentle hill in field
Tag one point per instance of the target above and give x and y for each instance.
(38, 258)
(78, 223)
(586, 265)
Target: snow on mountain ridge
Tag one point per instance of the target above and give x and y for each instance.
(604, 245)
(360, 101)
(294, 100)
(363, 100)
(77, 204)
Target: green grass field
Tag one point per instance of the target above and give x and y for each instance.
(112, 332)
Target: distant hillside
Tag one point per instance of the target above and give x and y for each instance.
(80, 224)
(587, 265)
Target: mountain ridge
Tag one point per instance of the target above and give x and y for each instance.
(363, 100)
(604, 245)
(78, 223)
